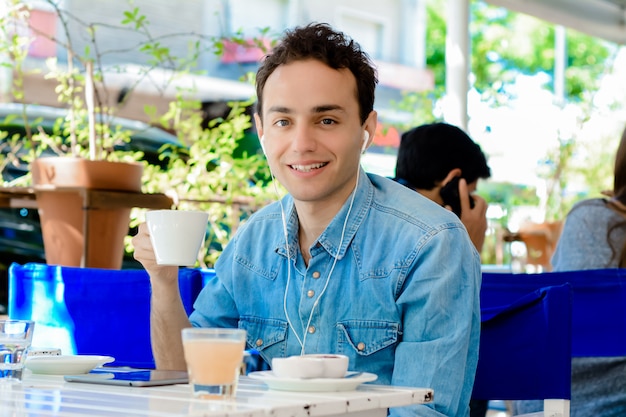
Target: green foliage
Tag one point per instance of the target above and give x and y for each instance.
(205, 171)
(508, 195)
(436, 40)
(418, 106)
(505, 44)
(504, 197)
(206, 175)
(598, 176)
(134, 19)
(554, 165)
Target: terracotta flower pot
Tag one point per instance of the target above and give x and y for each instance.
(74, 234)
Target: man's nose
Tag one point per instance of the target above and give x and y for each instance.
(304, 139)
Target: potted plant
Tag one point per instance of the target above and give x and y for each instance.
(86, 138)
(74, 233)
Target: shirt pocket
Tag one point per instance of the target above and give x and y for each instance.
(267, 336)
(367, 340)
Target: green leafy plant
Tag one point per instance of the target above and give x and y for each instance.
(203, 171)
(207, 175)
(88, 129)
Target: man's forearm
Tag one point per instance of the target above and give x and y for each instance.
(167, 319)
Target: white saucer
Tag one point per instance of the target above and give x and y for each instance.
(65, 364)
(314, 384)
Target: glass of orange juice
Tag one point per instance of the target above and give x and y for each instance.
(214, 357)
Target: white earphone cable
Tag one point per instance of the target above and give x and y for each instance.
(302, 341)
(317, 300)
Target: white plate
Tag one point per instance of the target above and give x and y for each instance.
(65, 364)
(314, 384)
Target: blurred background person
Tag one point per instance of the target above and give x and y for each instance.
(441, 162)
(594, 237)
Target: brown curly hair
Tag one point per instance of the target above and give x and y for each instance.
(320, 42)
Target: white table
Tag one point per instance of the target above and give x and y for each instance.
(50, 395)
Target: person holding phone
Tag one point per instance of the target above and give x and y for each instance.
(441, 162)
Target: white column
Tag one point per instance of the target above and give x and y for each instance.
(413, 33)
(227, 19)
(294, 12)
(457, 63)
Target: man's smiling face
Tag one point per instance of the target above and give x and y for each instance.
(312, 131)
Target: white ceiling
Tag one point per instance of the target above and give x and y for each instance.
(601, 18)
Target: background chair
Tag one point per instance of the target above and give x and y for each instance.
(540, 240)
(91, 311)
(598, 304)
(525, 346)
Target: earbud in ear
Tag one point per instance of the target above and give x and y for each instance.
(366, 137)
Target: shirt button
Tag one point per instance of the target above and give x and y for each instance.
(259, 342)
(310, 293)
(361, 346)
(311, 329)
(316, 275)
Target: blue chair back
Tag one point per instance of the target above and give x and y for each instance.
(91, 311)
(598, 305)
(525, 343)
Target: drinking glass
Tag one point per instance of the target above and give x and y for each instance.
(214, 357)
(15, 339)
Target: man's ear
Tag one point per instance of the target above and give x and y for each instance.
(258, 124)
(370, 128)
(456, 172)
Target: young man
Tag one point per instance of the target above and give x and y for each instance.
(430, 157)
(347, 262)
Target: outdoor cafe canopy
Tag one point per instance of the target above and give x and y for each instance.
(604, 19)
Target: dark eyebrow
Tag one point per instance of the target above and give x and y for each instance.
(327, 107)
(279, 109)
(318, 109)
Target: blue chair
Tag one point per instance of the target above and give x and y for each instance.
(598, 305)
(525, 345)
(91, 311)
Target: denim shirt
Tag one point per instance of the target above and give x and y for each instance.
(402, 301)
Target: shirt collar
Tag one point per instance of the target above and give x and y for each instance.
(331, 239)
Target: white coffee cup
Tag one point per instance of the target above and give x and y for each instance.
(311, 366)
(177, 235)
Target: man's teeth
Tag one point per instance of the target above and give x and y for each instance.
(308, 168)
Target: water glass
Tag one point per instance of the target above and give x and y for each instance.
(214, 358)
(15, 339)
